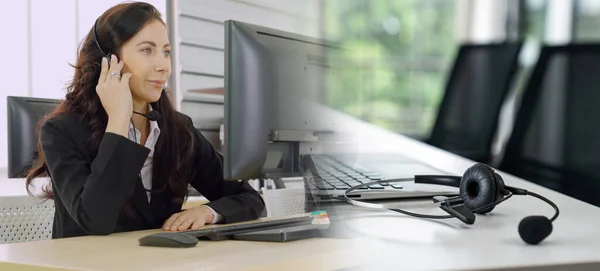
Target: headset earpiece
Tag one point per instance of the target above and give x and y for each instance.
(479, 187)
(502, 190)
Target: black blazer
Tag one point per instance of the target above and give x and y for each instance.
(91, 188)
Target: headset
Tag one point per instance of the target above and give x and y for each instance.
(480, 190)
(152, 115)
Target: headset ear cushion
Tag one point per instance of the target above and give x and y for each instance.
(500, 186)
(478, 187)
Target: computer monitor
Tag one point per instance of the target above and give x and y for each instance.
(274, 89)
(24, 113)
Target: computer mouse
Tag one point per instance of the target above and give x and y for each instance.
(168, 239)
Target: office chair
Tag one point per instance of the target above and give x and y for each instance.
(555, 140)
(23, 115)
(25, 218)
(476, 89)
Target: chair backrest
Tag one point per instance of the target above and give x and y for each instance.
(555, 140)
(476, 89)
(24, 113)
(25, 218)
(287, 201)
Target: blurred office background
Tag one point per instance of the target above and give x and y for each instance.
(404, 52)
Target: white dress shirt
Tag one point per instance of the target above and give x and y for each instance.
(146, 172)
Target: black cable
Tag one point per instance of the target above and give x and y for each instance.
(489, 205)
(135, 140)
(422, 215)
(547, 201)
(451, 216)
(134, 133)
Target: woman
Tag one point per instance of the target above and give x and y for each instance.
(113, 167)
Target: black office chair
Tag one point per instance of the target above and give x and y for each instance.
(556, 136)
(23, 114)
(476, 89)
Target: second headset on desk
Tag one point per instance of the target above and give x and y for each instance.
(480, 190)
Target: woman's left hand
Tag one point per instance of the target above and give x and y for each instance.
(192, 218)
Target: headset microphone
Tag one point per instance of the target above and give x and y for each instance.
(534, 229)
(152, 115)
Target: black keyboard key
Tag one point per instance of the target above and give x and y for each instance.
(341, 186)
(347, 179)
(397, 186)
(325, 187)
(330, 178)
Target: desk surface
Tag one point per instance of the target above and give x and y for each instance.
(380, 238)
(121, 252)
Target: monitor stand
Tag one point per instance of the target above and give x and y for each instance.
(288, 146)
(278, 182)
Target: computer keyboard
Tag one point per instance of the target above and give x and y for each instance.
(292, 220)
(332, 173)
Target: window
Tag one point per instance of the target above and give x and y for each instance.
(535, 19)
(587, 20)
(399, 54)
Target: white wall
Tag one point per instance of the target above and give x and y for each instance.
(200, 53)
(38, 45)
(200, 32)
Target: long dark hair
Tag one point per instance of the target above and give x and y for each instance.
(173, 150)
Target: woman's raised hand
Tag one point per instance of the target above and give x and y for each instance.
(113, 90)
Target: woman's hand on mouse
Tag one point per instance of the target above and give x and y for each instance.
(190, 219)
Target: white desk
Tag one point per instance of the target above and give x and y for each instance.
(383, 240)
